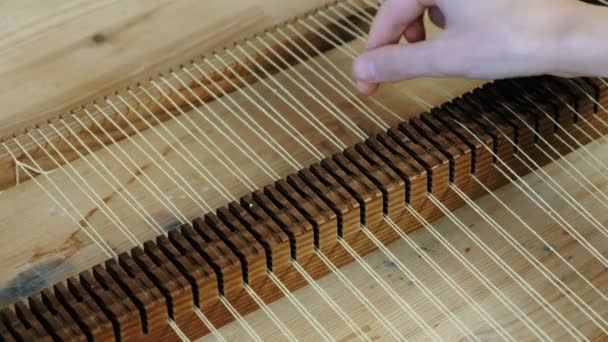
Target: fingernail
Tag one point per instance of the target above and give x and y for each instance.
(366, 88)
(364, 70)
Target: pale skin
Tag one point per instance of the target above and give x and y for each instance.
(484, 39)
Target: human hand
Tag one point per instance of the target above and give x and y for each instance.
(484, 39)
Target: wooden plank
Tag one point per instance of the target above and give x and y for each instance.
(58, 55)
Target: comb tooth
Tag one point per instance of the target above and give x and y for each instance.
(347, 219)
(53, 321)
(250, 213)
(319, 217)
(447, 141)
(328, 232)
(258, 262)
(198, 274)
(417, 198)
(466, 154)
(20, 329)
(337, 197)
(488, 141)
(437, 167)
(130, 289)
(395, 188)
(126, 312)
(47, 320)
(508, 132)
(584, 92)
(420, 179)
(226, 264)
(268, 228)
(29, 320)
(399, 165)
(594, 89)
(234, 243)
(16, 326)
(436, 163)
(377, 153)
(380, 183)
(281, 201)
(545, 107)
(543, 151)
(114, 310)
(183, 291)
(429, 162)
(563, 96)
(482, 160)
(53, 305)
(84, 310)
(172, 284)
(424, 126)
(549, 101)
(489, 135)
(254, 212)
(524, 127)
(325, 220)
(5, 331)
(525, 123)
(576, 90)
(209, 289)
(76, 310)
(287, 217)
(275, 241)
(590, 107)
(392, 186)
(369, 197)
(250, 252)
(528, 112)
(367, 194)
(346, 204)
(137, 285)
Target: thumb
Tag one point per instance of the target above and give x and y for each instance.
(398, 62)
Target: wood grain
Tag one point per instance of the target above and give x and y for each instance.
(58, 55)
(42, 245)
(66, 243)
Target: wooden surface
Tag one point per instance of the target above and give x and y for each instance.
(199, 85)
(559, 242)
(42, 245)
(44, 259)
(57, 55)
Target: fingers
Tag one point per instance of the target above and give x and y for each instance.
(366, 88)
(395, 18)
(397, 62)
(415, 32)
(437, 17)
(392, 20)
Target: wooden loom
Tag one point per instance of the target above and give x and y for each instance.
(149, 165)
